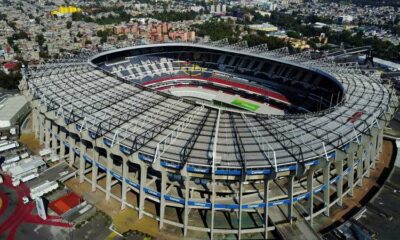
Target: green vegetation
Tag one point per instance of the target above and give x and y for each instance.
(258, 39)
(110, 19)
(103, 34)
(40, 39)
(44, 54)
(216, 29)
(17, 36)
(172, 16)
(298, 26)
(81, 17)
(134, 234)
(10, 81)
(120, 16)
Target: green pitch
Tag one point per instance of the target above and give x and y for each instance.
(246, 105)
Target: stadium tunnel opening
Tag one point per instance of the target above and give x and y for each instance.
(251, 79)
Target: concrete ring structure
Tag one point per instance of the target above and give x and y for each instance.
(207, 167)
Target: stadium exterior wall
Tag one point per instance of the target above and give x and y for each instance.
(359, 158)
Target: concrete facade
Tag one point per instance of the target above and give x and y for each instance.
(87, 155)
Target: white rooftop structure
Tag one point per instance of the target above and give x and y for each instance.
(266, 27)
(26, 165)
(11, 109)
(388, 64)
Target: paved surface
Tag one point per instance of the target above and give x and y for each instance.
(296, 231)
(97, 228)
(383, 213)
(18, 220)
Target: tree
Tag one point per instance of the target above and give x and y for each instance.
(10, 81)
(16, 49)
(258, 39)
(103, 35)
(43, 54)
(216, 29)
(173, 16)
(20, 35)
(40, 39)
(10, 41)
(293, 34)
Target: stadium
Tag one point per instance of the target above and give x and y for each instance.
(212, 137)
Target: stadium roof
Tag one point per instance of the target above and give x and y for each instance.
(88, 99)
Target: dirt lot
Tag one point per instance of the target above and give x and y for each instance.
(28, 137)
(124, 220)
(31, 143)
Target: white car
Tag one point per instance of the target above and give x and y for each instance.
(25, 200)
(63, 173)
(16, 183)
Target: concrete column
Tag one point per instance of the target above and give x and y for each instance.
(82, 164)
(47, 133)
(54, 132)
(374, 147)
(162, 199)
(35, 123)
(361, 155)
(186, 209)
(367, 160)
(125, 187)
(339, 183)
(109, 177)
(95, 169)
(142, 194)
(360, 170)
(327, 189)
(41, 129)
(266, 208)
(380, 138)
(71, 154)
(290, 197)
(213, 195)
(63, 138)
(350, 175)
(240, 210)
(310, 189)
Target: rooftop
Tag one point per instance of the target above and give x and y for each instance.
(10, 106)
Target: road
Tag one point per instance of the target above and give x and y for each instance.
(17, 218)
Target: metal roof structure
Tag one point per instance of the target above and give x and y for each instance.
(162, 127)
